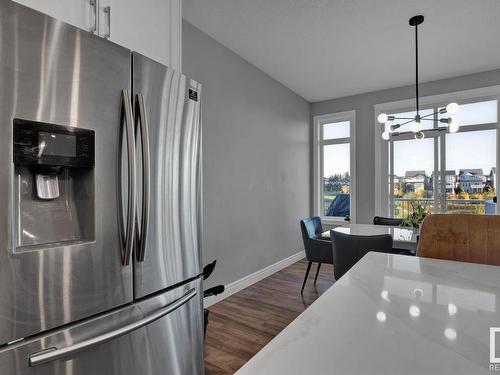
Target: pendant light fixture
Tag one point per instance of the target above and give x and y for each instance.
(415, 123)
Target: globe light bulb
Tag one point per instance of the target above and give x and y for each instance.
(386, 135)
(382, 118)
(415, 126)
(452, 108)
(453, 126)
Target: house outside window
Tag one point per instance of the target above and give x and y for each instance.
(415, 181)
(471, 181)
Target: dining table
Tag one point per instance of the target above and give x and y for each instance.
(404, 238)
(394, 315)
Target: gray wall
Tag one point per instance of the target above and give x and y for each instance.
(365, 127)
(256, 160)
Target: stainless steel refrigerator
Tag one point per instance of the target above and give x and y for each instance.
(100, 206)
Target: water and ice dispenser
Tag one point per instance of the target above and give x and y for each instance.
(53, 184)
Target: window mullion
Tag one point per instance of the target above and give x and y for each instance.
(392, 207)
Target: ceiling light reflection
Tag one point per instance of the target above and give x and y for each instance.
(450, 333)
(385, 295)
(381, 317)
(414, 311)
(452, 309)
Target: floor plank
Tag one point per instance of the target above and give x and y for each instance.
(242, 324)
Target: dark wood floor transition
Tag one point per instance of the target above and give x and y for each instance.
(246, 321)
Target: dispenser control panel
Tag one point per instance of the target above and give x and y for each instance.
(43, 144)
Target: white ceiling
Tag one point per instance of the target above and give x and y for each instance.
(324, 49)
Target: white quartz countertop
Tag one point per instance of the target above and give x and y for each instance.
(392, 314)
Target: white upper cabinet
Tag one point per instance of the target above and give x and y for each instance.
(150, 27)
(75, 12)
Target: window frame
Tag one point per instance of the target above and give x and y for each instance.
(318, 143)
(382, 202)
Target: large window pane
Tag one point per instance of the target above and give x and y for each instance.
(336, 180)
(412, 183)
(425, 124)
(471, 172)
(476, 113)
(336, 130)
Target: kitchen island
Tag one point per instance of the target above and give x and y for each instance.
(392, 314)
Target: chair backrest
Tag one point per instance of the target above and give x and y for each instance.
(380, 220)
(461, 237)
(311, 228)
(348, 249)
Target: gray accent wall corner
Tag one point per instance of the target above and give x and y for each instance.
(256, 160)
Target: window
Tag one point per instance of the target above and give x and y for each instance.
(413, 163)
(445, 172)
(334, 166)
(470, 162)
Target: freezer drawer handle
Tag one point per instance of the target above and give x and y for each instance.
(52, 354)
(142, 120)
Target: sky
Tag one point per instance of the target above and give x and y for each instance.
(466, 150)
(336, 159)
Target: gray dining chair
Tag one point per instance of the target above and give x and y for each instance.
(390, 221)
(348, 249)
(317, 250)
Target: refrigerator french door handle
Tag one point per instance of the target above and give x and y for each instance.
(141, 118)
(127, 233)
(52, 354)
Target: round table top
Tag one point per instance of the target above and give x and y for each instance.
(399, 234)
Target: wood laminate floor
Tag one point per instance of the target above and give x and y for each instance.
(246, 321)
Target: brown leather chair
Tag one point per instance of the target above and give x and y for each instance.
(461, 237)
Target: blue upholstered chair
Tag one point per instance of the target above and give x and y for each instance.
(317, 250)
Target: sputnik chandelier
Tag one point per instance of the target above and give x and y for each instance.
(415, 123)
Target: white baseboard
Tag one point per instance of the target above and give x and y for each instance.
(248, 280)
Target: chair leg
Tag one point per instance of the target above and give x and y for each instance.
(317, 272)
(305, 278)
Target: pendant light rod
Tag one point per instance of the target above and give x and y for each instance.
(416, 67)
(415, 21)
